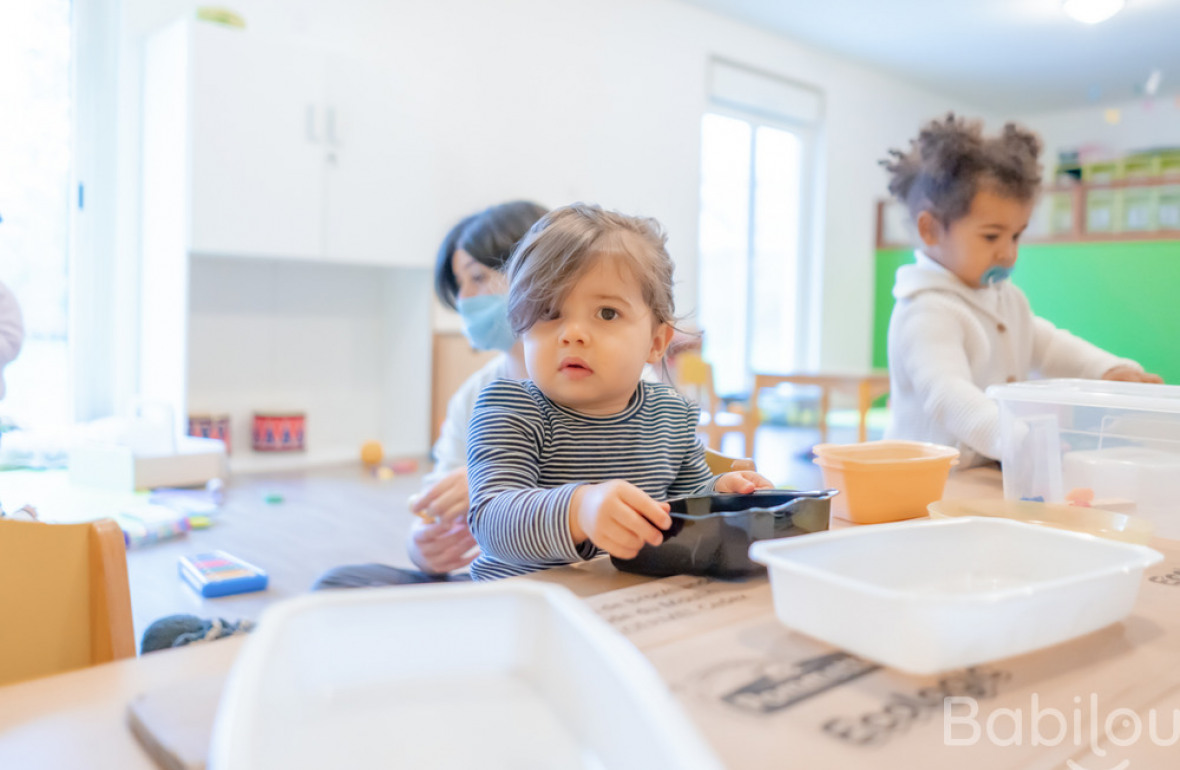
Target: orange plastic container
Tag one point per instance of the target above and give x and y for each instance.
(884, 480)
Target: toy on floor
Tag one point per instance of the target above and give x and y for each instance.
(179, 630)
(217, 573)
(373, 458)
(279, 432)
(211, 426)
(151, 523)
(372, 453)
(201, 500)
(396, 468)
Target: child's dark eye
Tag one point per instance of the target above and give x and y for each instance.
(990, 237)
(608, 313)
(550, 314)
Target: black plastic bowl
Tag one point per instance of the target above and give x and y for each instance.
(711, 535)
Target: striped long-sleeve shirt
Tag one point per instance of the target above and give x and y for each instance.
(526, 455)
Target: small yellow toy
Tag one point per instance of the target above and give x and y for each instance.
(372, 453)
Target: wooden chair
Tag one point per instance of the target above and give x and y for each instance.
(719, 463)
(64, 597)
(694, 379)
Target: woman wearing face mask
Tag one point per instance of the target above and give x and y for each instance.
(468, 278)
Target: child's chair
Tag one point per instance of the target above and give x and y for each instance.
(694, 379)
(65, 597)
(719, 463)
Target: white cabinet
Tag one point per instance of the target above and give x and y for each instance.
(289, 151)
(257, 156)
(379, 182)
(286, 242)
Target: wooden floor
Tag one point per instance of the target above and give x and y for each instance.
(345, 515)
(327, 517)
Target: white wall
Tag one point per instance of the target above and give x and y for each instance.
(558, 100)
(256, 324)
(1142, 125)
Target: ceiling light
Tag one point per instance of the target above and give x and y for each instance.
(1092, 11)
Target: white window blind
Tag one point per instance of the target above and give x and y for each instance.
(749, 90)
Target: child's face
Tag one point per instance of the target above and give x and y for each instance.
(591, 356)
(985, 237)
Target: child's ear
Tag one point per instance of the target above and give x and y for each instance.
(929, 228)
(659, 343)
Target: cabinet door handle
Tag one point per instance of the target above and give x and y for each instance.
(330, 126)
(312, 133)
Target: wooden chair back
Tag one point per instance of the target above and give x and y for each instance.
(719, 463)
(64, 596)
(694, 380)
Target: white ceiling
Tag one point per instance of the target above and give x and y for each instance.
(1010, 56)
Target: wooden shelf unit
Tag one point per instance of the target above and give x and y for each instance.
(1078, 231)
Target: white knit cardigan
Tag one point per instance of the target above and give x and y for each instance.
(948, 342)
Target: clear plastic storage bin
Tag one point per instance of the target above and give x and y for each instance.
(931, 595)
(1119, 439)
(505, 676)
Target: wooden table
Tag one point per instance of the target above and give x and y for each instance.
(868, 387)
(78, 719)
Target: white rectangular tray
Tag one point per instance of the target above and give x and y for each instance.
(927, 596)
(508, 675)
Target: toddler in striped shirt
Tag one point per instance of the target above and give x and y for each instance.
(579, 458)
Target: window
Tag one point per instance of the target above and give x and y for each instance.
(754, 275)
(36, 141)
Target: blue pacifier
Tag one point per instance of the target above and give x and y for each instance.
(995, 275)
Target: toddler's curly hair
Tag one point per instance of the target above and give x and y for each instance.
(951, 159)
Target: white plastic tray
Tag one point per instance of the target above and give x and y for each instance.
(930, 595)
(510, 675)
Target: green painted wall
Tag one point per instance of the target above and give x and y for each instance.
(888, 260)
(1124, 297)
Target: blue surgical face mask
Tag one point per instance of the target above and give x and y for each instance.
(485, 321)
(995, 275)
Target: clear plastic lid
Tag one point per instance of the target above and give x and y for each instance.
(1091, 521)
(1100, 393)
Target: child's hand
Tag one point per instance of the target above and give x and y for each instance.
(618, 517)
(1130, 374)
(741, 483)
(441, 548)
(446, 500)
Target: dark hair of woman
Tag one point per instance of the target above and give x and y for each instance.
(489, 237)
